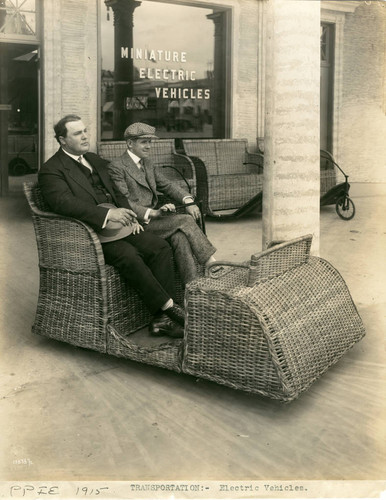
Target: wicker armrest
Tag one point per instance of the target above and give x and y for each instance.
(63, 243)
(202, 188)
(68, 244)
(184, 164)
(218, 268)
(279, 259)
(256, 160)
(175, 174)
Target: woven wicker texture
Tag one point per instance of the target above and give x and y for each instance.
(125, 303)
(111, 149)
(233, 191)
(72, 291)
(166, 353)
(329, 179)
(82, 300)
(206, 150)
(228, 175)
(233, 175)
(274, 338)
(279, 259)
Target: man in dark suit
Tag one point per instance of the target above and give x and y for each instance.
(139, 181)
(75, 183)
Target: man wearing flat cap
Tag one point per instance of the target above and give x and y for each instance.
(76, 183)
(140, 181)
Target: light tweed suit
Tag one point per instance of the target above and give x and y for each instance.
(140, 187)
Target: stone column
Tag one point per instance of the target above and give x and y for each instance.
(3, 120)
(217, 100)
(291, 144)
(69, 66)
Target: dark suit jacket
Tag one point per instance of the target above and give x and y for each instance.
(140, 188)
(68, 192)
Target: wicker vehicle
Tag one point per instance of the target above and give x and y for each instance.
(228, 176)
(270, 326)
(333, 192)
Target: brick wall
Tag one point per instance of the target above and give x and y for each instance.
(362, 131)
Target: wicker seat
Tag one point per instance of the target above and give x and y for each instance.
(228, 176)
(176, 167)
(85, 302)
(271, 326)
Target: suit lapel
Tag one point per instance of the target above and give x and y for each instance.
(149, 173)
(134, 171)
(76, 174)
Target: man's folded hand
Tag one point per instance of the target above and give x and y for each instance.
(123, 215)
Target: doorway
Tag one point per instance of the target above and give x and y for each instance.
(327, 45)
(19, 114)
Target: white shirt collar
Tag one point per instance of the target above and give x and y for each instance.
(136, 159)
(76, 158)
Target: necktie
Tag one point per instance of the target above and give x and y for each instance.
(80, 160)
(140, 164)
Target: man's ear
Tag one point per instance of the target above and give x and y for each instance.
(61, 140)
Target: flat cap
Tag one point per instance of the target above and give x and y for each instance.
(139, 130)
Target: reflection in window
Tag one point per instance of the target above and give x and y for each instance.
(158, 66)
(18, 17)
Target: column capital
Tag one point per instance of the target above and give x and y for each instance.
(123, 11)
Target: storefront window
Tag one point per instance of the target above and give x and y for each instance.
(18, 19)
(162, 64)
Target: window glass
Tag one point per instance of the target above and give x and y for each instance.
(18, 19)
(158, 66)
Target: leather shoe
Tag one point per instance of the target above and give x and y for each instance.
(163, 325)
(176, 313)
